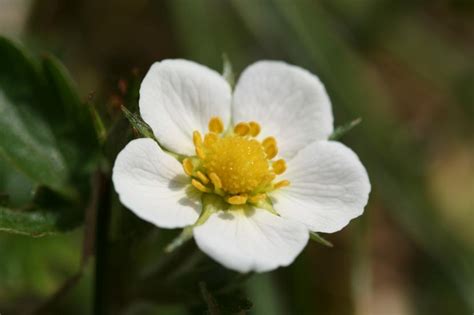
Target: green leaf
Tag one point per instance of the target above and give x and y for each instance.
(26, 141)
(62, 87)
(319, 239)
(71, 120)
(47, 132)
(45, 214)
(32, 223)
(48, 136)
(16, 189)
(340, 131)
(70, 112)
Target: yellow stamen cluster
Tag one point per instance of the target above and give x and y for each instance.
(234, 164)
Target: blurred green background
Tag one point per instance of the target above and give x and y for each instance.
(405, 67)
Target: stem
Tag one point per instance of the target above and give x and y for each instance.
(102, 231)
(87, 248)
(235, 283)
(212, 307)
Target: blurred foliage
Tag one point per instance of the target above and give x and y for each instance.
(47, 137)
(404, 67)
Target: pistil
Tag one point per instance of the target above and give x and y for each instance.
(234, 164)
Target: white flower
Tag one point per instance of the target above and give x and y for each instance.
(258, 156)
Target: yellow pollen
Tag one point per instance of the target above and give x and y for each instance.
(200, 153)
(203, 178)
(216, 125)
(281, 184)
(237, 199)
(269, 141)
(216, 181)
(242, 129)
(269, 178)
(188, 166)
(279, 167)
(209, 139)
(235, 165)
(197, 139)
(271, 151)
(240, 163)
(199, 186)
(254, 128)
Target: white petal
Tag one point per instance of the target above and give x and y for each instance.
(251, 240)
(329, 187)
(180, 96)
(153, 185)
(289, 102)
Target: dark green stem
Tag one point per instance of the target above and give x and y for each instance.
(102, 229)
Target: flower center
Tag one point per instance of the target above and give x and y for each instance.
(234, 164)
(240, 163)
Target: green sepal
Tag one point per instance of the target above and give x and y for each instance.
(182, 238)
(98, 123)
(138, 124)
(342, 130)
(227, 71)
(319, 239)
(144, 130)
(210, 205)
(266, 204)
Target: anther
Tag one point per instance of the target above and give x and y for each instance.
(197, 139)
(279, 166)
(216, 125)
(216, 181)
(254, 128)
(271, 151)
(242, 129)
(203, 178)
(209, 139)
(237, 199)
(257, 198)
(199, 186)
(188, 166)
(269, 178)
(281, 184)
(200, 152)
(269, 141)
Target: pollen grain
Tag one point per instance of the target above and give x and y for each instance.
(235, 164)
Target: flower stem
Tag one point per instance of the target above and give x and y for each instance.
(102, 229)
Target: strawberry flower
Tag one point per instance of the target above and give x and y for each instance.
(249, 172)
